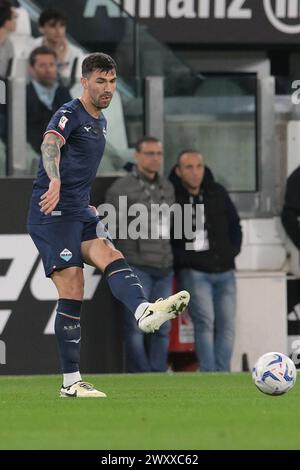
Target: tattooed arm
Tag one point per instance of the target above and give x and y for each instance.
(51, 157)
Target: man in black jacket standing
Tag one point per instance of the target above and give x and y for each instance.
(206, 264)
(44, 94)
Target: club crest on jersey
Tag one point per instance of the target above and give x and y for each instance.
(66, 255)
(62, 123)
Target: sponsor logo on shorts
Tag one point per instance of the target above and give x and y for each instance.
(66, 255)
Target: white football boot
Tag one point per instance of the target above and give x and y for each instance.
(81, 390)
(163, 310)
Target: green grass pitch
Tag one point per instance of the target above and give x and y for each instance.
(150, 411)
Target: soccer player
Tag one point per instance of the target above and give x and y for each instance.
(67, 231)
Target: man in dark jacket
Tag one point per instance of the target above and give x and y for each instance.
(151, 257)
(206, 264)
(44, 94)
(290, 216)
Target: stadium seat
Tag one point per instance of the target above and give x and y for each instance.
(22, 37)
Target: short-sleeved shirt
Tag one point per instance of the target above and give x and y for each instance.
(84, 140)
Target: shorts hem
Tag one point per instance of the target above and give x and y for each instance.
(89, 237)
(60, 268)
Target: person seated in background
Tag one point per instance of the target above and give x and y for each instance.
(151, 259)
(52, 25)
(8, 17)
(44, 94)
(206, 263)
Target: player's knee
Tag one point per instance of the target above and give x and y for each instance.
(109, 253)
(75, 292)
(77, 288)
(72, 290)
(113, 255)
(116, 254)
(71, 286)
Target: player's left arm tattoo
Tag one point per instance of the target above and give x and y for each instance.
(50, 148)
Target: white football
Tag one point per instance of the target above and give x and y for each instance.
(274, 373)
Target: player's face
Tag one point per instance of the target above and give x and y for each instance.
(149, 157)
(44, 70)
(100, 87)
(54, 31)
(191, 170)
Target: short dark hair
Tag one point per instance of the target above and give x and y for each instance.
(145, 139)
(98, 61)
(52, 14)
(42, 50)
(186, 151)
(6, 11)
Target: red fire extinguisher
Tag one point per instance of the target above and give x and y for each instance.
(182, 334)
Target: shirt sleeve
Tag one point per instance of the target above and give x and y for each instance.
(62, 123)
